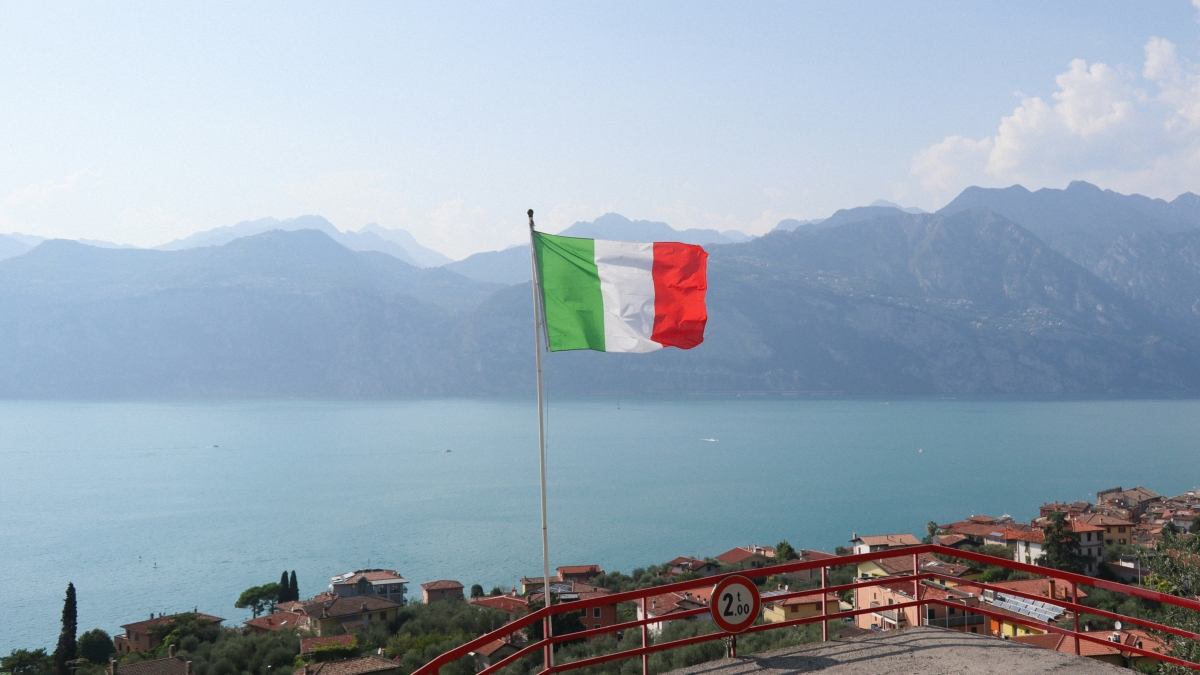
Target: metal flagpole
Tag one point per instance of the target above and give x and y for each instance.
(548, 655)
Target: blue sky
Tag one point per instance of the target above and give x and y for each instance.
(142, 123)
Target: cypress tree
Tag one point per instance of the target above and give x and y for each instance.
(66, 639)
(294, 587)
(285, 591)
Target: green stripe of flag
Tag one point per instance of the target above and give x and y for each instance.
(571, 292)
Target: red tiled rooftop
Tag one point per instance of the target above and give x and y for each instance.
(507, 603)
(144, 626)
(444, 584)
(903, 539)
(279, 620)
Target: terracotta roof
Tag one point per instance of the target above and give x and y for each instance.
(972, 529)
(688, 564)
(1062, 591)
(736, 555)
(277, 621)
(1063, 643)
(444, 584)
(145, 626)
(172, 665)
(310, 643)
(1077, 526)
(492, 647)
(949, 539)
(593, 570)
(670, 603)
(507, 603)
(897, 566)
(903, 539)
(359, 666)
(1102, 519)
(986, 520)
(815, 555)
(352, 606)
(369, 575)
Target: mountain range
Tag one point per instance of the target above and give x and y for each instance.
(371, 237)
(512, 265)
(973, 299)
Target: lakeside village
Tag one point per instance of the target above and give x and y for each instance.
(364, 623)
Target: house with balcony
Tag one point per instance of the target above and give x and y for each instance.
(348, 614)
(882, 542)
(668, 606)
(565, 592)
(777, 607)
(386, 584)
(1117, 531)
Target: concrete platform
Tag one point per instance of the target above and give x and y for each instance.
(908, 652)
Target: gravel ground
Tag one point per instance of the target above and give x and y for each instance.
(913, 651)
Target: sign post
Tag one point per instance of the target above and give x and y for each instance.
(734, 604)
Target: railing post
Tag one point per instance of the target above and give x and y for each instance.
(824, 605)
(1075, 599)
(733, 647)
(548, 650)
(645, 640)
(916, 592)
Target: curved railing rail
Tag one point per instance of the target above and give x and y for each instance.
(647, 648)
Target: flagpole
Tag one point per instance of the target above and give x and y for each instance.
(548, 656)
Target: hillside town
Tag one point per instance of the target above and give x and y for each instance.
(1113, 535)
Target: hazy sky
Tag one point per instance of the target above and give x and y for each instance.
(144, 123)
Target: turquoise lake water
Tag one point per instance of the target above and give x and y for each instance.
(162, 507)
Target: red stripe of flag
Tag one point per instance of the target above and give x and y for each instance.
(680, 274)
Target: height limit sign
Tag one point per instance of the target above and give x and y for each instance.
(734, 604)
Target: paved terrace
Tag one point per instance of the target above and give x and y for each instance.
(916, 651)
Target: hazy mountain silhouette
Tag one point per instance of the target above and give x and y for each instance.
(898, 303)
(1082, 221)
(281, 313)
(512, 266)
(902, 303)
(372, 237)
(10, 247)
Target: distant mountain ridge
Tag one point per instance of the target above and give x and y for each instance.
(1082, 220)
(512, 265)
(897, 303)
(371, 237)
(873, 300)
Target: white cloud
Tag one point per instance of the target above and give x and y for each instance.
(1122, 130)
(39, 194)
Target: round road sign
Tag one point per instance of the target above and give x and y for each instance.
(734, 604)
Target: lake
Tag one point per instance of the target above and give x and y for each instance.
(168, 506)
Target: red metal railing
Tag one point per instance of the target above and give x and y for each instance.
(646, 649)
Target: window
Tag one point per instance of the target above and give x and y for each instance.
(889, 601)
(596, 626)
(596, 613)
(1121, 530)
(951, 611)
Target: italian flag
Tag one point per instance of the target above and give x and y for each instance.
(617, 296)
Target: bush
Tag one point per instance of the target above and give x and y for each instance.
(95, 646)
